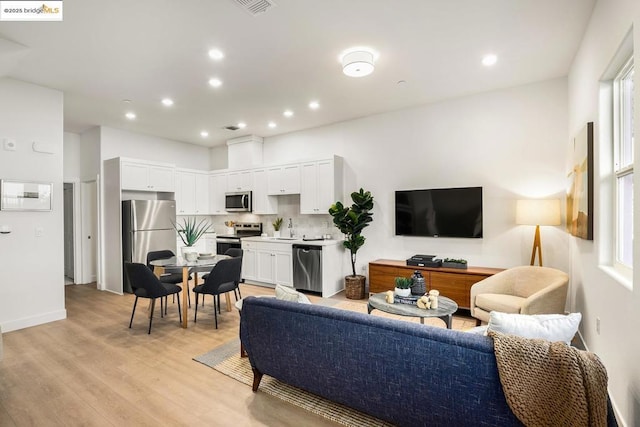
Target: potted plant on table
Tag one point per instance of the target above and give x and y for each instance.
(403, 286)
(190, 231)
(351, 221)
(454, 263)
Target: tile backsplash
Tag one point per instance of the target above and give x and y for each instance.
(288, 207)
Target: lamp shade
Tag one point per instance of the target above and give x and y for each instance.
(357, 64)
(538, 212)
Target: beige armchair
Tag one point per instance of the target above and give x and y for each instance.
(524, 290)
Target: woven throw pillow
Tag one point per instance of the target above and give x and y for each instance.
(551, 327)
(289, 294)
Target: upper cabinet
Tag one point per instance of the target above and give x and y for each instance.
(262, 202)
(240, 181)
(217, 188)
(283, 180)
(321, 185)
(142, 176)
(192, 192)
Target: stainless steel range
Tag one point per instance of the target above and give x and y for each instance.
(241, 229)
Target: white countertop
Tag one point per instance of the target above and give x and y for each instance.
(294, 240)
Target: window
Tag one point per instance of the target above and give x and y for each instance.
(623, 165)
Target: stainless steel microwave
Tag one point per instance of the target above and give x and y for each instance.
(238, 201)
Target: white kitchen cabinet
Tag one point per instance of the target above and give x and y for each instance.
(192, 192)
(263, 203)
(202, 194)
(140, 176)
(320, 185)
(268, 262)
(217, 189)
(240, 181)
(283, 180)
(248, 263)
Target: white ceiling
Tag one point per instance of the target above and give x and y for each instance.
(107, 51)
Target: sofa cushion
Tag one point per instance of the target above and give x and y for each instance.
(551, 327)
(289, 294)
(499, 302)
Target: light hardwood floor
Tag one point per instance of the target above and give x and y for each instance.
(92, 370)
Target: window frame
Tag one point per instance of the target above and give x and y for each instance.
(623, 122)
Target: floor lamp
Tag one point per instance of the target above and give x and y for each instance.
(538, 212)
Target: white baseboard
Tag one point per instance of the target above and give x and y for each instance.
(27, 322)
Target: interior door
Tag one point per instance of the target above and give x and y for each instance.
(89, 201)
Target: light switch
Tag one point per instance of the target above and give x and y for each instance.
(39, 231)
(9, 144)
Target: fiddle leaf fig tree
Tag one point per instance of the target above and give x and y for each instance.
(352, 220)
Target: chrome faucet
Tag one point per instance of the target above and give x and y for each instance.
(290, 227)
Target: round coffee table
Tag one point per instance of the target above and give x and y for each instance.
(445, 310)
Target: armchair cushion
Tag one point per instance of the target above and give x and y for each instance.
(551, 327)
(499, 302)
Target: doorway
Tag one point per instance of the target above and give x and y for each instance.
(69, 242)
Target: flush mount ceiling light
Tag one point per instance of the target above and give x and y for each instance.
(358, 62)
(130, 115)
(167, 102)
(314, 105)
(242, 125)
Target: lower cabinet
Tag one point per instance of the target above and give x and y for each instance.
(268, 263)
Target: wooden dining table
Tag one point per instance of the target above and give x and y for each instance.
(202, 265)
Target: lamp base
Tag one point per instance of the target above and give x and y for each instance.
(537, 246)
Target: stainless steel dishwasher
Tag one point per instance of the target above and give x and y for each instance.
(307, 267)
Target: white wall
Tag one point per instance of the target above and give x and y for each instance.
(71, 157)
(122, 143)
(32, 285)
(512, 142)
(597, 294)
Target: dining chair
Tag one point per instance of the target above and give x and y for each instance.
(173, 276)
(145, 284)
(234, 253)
(224, 277)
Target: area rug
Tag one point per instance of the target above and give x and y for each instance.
(226, 359)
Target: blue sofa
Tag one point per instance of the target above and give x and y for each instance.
(401, 372)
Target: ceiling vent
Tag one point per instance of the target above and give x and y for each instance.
(231, 127)
(255, 7)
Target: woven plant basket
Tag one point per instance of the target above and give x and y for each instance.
(354, 286)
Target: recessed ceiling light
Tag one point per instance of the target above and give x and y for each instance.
(272, 125)
(489, 60)
(314, 105)
(204, 134)
(167, 102)
(130, 115)
(242, 125)
(288, 113)
(216, 54)
(215, 82)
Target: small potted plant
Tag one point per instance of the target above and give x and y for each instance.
(190, 231)
(454, 263)
(403, 286)
(277, 223)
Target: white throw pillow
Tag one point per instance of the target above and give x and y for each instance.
(551, 327)
(289, 294)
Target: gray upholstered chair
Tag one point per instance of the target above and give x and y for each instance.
(524, 290)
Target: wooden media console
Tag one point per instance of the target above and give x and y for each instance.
(452, 283)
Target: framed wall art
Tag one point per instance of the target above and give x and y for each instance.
(25, 196)
(580, 189)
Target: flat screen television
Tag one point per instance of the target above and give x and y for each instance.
(441, 212)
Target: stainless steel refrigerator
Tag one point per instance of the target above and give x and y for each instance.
(146, 226)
